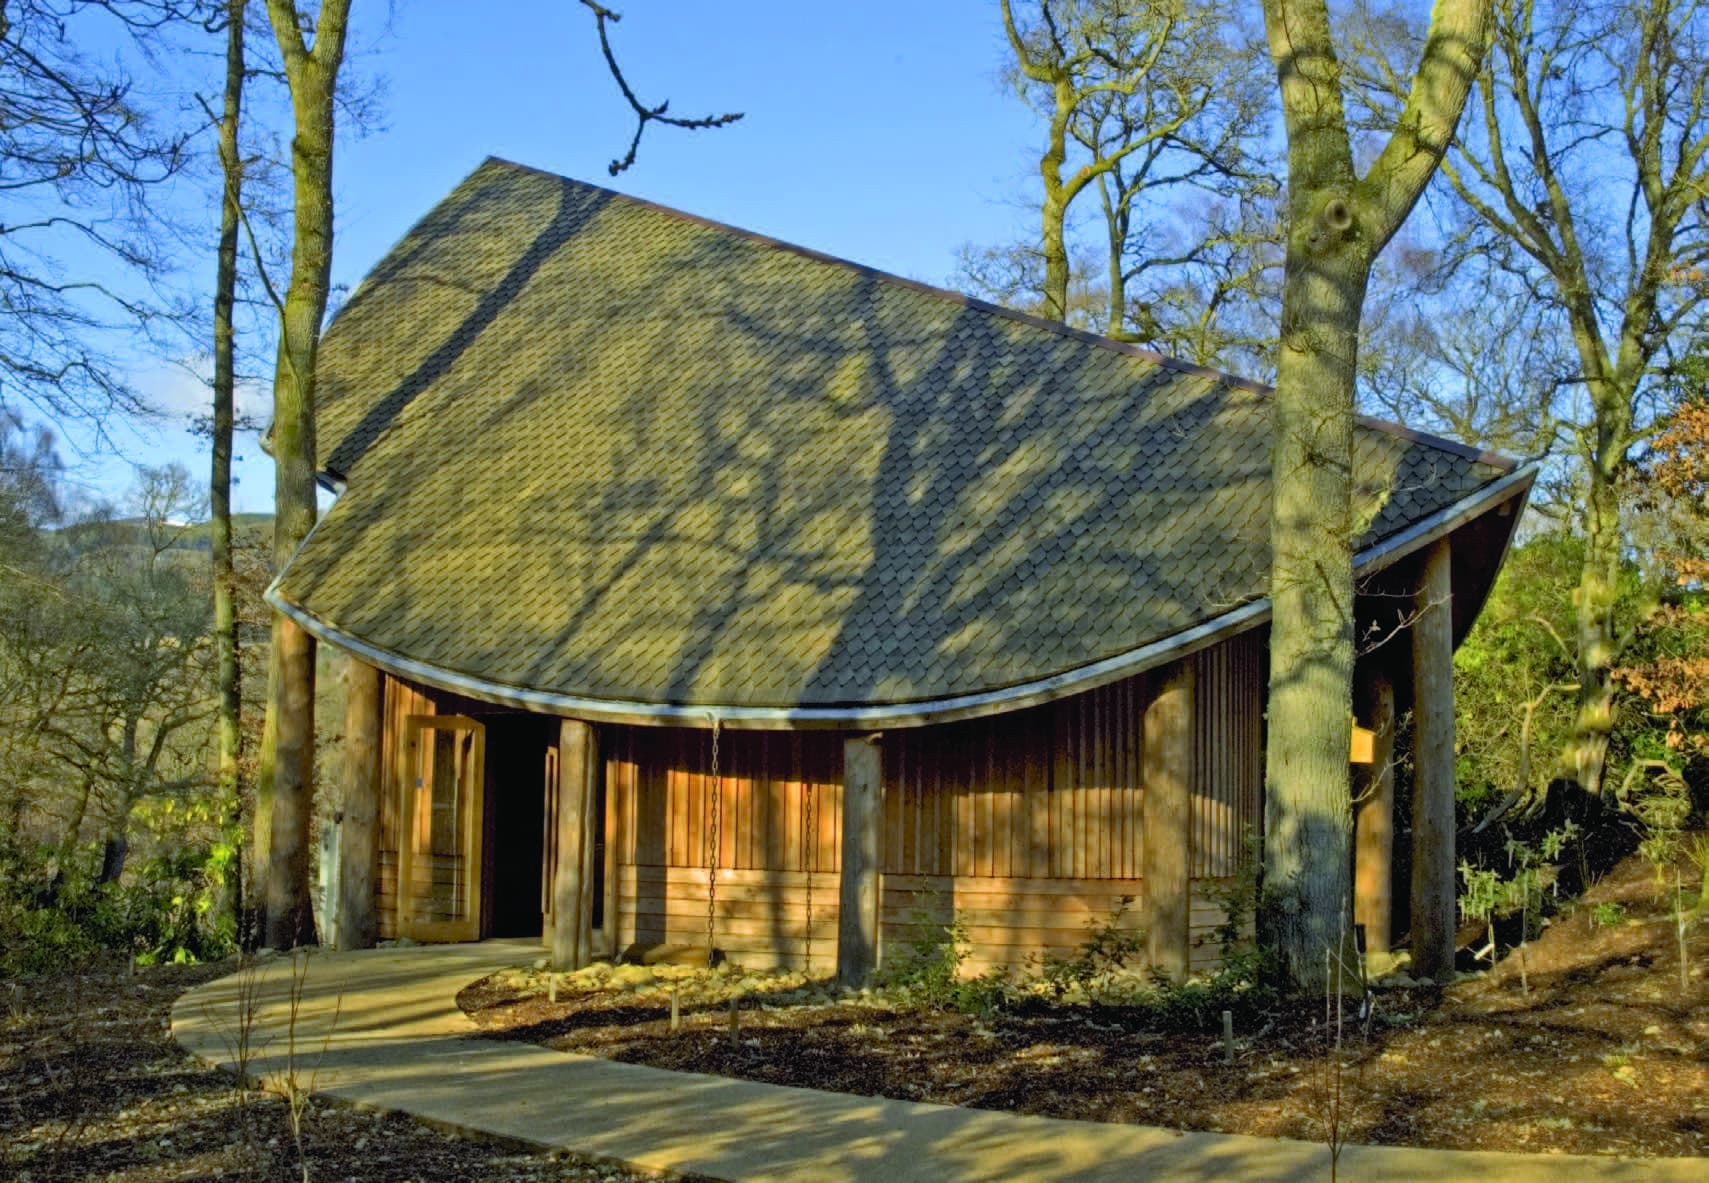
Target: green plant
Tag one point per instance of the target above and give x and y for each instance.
(1101, 957)
(1489, 895)
(56, 913)
(1608, 914)
(1237, 897)
(926, 969)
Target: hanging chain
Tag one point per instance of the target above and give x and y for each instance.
(807, 865)
(712, 851)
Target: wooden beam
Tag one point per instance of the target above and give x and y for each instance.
(863, 815)
(572, 889)
(1373, 791)
(1433, 766)
(358, 922)
(1167, 818)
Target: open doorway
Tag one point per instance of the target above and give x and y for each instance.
(519, 748)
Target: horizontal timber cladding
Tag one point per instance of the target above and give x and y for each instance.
(774, 812)
(1026, 824)
(1015, 923)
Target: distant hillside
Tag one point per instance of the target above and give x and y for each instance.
(248, 528)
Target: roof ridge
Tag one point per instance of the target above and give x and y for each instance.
(1126, 348)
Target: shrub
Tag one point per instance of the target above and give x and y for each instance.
(52, 916)
(1100, 960)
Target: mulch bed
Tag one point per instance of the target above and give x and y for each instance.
(1607, 1054)
(92, 1087)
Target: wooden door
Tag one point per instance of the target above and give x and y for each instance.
(439, 855)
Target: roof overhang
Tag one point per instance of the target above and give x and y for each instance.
(1510, 489)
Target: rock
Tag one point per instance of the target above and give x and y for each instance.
(632, 977)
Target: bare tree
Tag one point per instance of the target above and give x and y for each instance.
(1587, 167)
(81, 155)
(1140, 97)
(228, 669)
(133, 651)
(1338, 220)
(312, 51)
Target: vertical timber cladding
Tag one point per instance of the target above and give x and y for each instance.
(1028, 826)
(778, 835)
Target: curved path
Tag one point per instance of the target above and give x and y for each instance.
(382, 1029)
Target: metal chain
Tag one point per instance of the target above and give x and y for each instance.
(811, 836)
(712, 852)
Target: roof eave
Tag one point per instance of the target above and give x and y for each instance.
(1515, 486)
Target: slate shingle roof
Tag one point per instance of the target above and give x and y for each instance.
(597, 448)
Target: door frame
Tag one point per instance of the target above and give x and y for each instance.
(471, 819)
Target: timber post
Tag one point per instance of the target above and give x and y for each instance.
(1433, 766)
(357, 925)
(1167, 822)
(858, 894)
(572, 880)
(1373, 827)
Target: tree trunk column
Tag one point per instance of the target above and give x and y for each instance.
(357, 925)
(1167, 819)
(857, 918)
(290, 916)
(1373, 838)
(572, 880)
(1433, 767)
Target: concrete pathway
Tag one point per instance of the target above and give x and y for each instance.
(382, 1029)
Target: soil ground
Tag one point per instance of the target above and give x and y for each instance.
(1605, 1052)
(92, 1087)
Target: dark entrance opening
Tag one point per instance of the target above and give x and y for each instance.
(517, 767)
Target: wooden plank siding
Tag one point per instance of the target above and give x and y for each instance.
(779, 808)
(1029, 823)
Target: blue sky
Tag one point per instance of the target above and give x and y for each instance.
(881, 132)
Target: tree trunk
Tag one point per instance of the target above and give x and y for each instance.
(261, 820)
(117, 847)
(118, 844)
(359, 844)
(1115, 242)
(1337, 223)
(290, 914)
(114, 852)
(228, 691)
(1054, 209)
(1598, 586)
(1308, 799)
(74, 827)
(313, 78)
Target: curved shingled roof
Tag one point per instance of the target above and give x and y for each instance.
(594, 449)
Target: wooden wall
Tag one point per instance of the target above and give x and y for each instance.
(778, 799)
(1026, 825)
